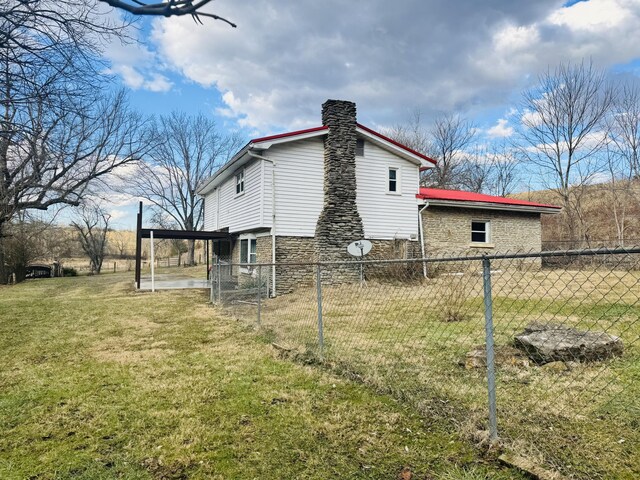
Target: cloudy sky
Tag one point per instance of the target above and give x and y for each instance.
(273, 72)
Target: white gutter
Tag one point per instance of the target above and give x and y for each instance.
(273, 217)
(421, 230)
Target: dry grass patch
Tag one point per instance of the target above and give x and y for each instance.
(393, 337)
(102, 382)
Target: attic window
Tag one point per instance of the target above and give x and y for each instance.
(240, 182)
(359, 147)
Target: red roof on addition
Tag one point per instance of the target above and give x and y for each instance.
(460, 196)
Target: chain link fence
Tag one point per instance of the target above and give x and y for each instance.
(543, 361)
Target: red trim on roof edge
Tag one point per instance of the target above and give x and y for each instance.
(324, 127)
(410, 150)
(460, 196)
(289, 134)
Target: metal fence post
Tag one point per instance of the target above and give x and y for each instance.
(259, 294)
(219, 275)
(320, 326)
(211, 280)
(488, 326)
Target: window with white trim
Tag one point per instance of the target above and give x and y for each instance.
(480, 231)
(240, 182)
(248, 250)
(393, 183)
(359, 147)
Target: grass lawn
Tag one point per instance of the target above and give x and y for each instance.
(409, 338)
(98, 381)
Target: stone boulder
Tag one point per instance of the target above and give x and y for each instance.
(545, 343)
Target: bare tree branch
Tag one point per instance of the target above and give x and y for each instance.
(169, 8)
(186, 151)
(563, 130)
(91, 227)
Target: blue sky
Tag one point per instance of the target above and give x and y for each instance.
(272, 73)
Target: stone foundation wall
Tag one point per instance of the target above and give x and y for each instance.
(263, 249)
(400, 249)
(294, 250)
(447, 232)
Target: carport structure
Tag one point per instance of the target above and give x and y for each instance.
(158, 234)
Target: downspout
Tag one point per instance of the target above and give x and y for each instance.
(273, 216)
(421, 230)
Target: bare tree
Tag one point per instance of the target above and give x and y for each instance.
(451, 136)
(412, 134)
(625, 128)
(505, 172)
(58, 133)
(187, 150)
(447, 141)
(623, 157)
(119, 243)
(169, 8)
(563, 130)
(92, 226)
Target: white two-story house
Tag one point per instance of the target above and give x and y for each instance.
(304, 196)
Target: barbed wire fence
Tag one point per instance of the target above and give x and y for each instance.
(542, 361)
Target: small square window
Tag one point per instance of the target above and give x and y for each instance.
(240, 182)
(479, 232)
(359, 147)
(393, 180)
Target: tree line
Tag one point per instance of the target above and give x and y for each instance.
(66, 136)
(577, 130)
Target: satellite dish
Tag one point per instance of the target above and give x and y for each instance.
(359, 248)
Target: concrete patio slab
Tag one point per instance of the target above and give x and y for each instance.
(173, 282)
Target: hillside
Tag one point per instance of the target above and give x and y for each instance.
(606, 209)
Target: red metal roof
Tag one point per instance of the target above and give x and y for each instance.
(393, 142)
(460, 196)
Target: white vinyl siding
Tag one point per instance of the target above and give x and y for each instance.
(299, 179)
(237, 212)
(210, 211)
(299, 186)
(385, 216)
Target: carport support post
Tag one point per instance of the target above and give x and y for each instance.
(153, 277)
(489, 344)
(259, 294)
(320, 326)
(138, 245)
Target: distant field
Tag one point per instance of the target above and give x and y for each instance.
(99, 382)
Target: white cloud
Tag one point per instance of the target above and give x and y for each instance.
(284, 60)
(501, 129)
(138, 66)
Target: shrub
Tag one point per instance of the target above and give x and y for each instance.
(69, 272)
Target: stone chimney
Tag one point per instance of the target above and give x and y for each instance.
(339, 222)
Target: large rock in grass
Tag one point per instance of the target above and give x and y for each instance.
(546, 343)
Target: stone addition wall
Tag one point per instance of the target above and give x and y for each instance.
(400, 249)
(339, 222)
(447, 231)
(263, 249)
(294, 250)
